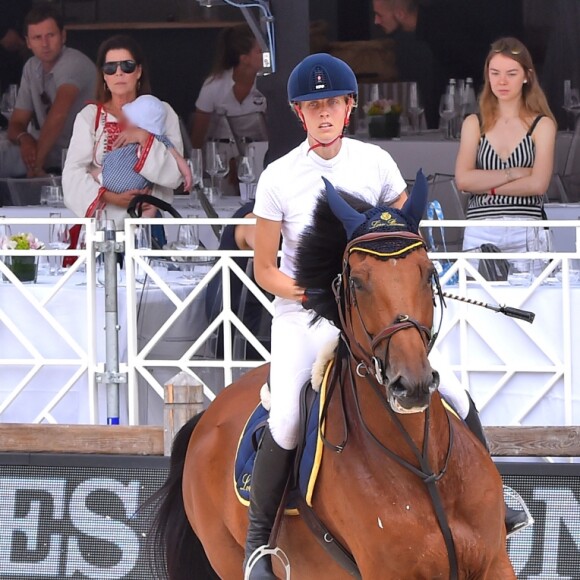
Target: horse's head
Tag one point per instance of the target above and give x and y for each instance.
(383, 296)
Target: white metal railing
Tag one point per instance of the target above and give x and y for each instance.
(471, 349)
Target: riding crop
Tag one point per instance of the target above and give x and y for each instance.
(507, 310)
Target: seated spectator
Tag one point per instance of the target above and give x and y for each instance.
(56, 84)
(238, 237)
(122, 77)
(506, 154)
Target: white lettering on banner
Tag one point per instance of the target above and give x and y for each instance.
(104, 528)
(44, 535)
(25, 504)
(561, 507)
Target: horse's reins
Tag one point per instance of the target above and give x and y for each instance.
(371, 367)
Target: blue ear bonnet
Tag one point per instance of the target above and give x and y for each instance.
(382, 218)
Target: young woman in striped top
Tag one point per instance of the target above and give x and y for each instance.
(506, 153)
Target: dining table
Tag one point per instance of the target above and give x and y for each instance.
(61, 320)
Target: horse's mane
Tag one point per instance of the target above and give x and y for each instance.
(321, 247)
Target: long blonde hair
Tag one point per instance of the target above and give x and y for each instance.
(533, 101)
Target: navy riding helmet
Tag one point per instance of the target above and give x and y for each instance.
(320, 76)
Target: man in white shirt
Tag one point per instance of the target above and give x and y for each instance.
(56, 84)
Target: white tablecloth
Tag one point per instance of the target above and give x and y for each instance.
(69, 308)
(518, 373)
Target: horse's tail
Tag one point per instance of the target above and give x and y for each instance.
(174, 550)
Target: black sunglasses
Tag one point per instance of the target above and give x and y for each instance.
(127, 66)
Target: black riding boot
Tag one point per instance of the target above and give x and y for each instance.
(514, 519)
(269, 477)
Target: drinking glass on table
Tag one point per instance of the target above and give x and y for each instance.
(415, 108)
(59, 239)
(195, 163)
(216, 162)
(247, 177)
(447, 111)
(142, 241)
(187, 239)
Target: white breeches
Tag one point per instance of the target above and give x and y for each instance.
(294, 348)
(456, 397)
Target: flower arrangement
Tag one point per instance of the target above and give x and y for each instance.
(382, 107)
(21, 242)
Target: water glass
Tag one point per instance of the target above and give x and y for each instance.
(52, 194)
(196, 165)
(539, 240)
(100, 219)
(142, 241)
(447, 112)
(187, 237)
(415, 108)
(520, 273)
(59, 239)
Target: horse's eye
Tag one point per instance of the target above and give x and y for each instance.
(355, 283)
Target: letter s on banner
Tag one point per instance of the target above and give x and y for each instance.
(105, 528)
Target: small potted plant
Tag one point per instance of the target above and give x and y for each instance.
(383, 119)
(25, 268)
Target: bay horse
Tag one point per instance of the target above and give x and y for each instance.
(402, 485)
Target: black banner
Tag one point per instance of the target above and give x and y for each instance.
(76, 517)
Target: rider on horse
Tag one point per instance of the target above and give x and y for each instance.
(322, 91)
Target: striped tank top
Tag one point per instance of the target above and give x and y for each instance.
(491, 206)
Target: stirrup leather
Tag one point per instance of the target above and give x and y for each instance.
(263, 551)
(516, 498)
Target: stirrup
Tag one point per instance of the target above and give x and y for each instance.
(510, 493)
(265, 550)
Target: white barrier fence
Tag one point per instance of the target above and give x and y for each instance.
(519, 374)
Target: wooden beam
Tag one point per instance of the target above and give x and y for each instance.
(107, 440)
(148, 440)
(534, 441)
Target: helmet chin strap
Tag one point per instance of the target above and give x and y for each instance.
(318, 143)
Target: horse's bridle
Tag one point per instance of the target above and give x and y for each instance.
(369, 362)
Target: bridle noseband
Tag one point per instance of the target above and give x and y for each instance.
(368, 361)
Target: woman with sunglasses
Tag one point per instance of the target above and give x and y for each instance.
(99, 128)
(506, 152)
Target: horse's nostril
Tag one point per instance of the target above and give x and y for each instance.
(398, 389)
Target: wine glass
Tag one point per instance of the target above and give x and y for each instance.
(187, 239)
(142, 242)
(195, 163)
(59, 239)
(447, 112)
(246, 175)
(415, 108)
(216, 163)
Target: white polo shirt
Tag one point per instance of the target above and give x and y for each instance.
(289, 187)
(217, 96)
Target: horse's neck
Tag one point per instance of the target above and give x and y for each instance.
(368, 417)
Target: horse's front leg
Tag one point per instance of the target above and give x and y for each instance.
(500, 569)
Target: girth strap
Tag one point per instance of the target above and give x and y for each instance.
(332, 546)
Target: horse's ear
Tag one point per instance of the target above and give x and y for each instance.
(348, 216)
(415, 205)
